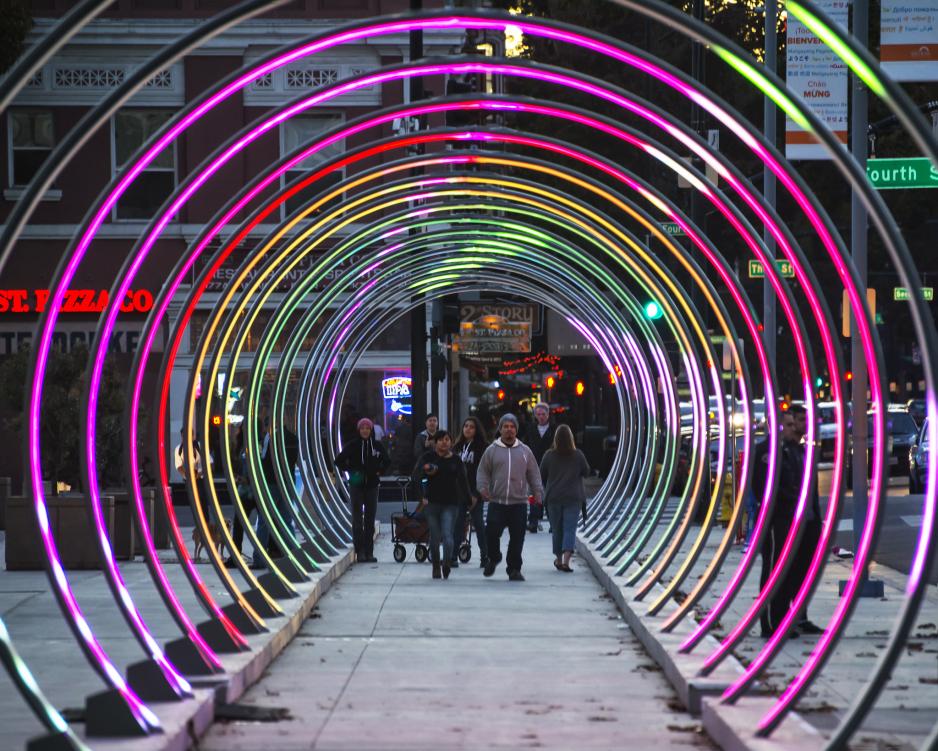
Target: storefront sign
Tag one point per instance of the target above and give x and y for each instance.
(908, 45)
(489, 329)
(68, 336)
(22, 301)
(819, 78)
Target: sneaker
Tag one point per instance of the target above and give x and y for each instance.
(515, 576)
(436, 571)
(230, 562)
(489, 568)
(812, 629)
(483, 562)
(446, 570)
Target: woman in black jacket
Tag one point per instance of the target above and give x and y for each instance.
(470, 447)
(364, 459)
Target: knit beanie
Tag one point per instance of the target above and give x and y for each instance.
(507, 417)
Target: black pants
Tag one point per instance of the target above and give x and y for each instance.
(459, 528)
(478, 524)
(514, 516)
(250, 504)
(364, 507)
(788, 587)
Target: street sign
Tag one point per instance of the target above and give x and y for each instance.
(672, 228)
(902, 293)
(910, 172)
(756, 270)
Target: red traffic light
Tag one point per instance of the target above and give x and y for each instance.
(849, 375)
(580, 388)
(501, 395)
(216, 420)
(550, 381)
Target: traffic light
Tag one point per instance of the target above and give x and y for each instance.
(818, 382)
(580, 388)
(550, 381)
(216, 420)
(501, 395)
(849, 375)
(653, 310)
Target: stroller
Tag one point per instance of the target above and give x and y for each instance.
(409, 527)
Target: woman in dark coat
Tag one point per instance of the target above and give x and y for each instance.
(364, 459)
(470, 447)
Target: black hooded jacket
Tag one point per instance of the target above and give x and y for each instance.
(364, 459)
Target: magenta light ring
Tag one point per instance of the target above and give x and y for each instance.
(809, 431)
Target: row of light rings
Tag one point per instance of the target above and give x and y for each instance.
(925, 538)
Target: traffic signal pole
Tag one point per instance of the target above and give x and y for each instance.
(769, 128)
(418, 315)
(859, 225)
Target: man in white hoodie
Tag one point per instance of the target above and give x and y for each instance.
(507, 475)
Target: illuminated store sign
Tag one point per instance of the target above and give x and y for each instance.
(75, 301)
(397, 394)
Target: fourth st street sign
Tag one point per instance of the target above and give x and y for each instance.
(892, 174)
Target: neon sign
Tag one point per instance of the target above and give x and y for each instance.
(75, 301)
(396, 388)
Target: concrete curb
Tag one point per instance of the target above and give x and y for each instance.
(185, 722)
(730, 726)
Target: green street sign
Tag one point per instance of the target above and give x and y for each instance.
(910, 172)
(902, 293)
(672, 228)
(784, 267)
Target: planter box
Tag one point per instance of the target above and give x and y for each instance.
(70, 525)
(122, 537)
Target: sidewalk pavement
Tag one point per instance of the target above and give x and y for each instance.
(391, 658)
(51, 652)
(904, 713)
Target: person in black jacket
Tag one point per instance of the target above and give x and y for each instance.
(790, 474)
(446, 487)
(539, 438)
(364, 459)
(470, 447)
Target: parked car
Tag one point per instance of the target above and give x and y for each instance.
(827, 428)
(918, 460)
(904, 433)
(890, 456)
(916, 408)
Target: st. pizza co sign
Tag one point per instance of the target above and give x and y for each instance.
(23, 301)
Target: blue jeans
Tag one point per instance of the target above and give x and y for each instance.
(563, 521)
(440, 519)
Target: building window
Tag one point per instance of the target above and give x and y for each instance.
(31, 141)
(303, 131)
(130, 130)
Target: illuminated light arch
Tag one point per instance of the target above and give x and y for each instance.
(929, 505)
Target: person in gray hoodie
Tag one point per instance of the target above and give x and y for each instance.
(507, 474)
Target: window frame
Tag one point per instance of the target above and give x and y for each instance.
(11, 172)
(115, 168)
(285, 178)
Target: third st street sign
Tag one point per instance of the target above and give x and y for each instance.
(910, 172)
(756, 270)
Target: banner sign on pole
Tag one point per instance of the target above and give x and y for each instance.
(909, 39)
(819, 78)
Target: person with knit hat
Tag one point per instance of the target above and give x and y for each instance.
(364, 459)
(507, 475)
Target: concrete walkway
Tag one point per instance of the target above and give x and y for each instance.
(392, 659)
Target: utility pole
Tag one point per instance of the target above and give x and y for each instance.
(697, 71)
(859, 225)
(418, 315)
(769, 128)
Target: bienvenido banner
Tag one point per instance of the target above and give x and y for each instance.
(909, 39)
(819, 78)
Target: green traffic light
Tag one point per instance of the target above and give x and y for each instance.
(653, 310)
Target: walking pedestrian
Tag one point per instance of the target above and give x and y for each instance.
(470, 447)
(424, 440)
(507, 474)
(446, 487)
(245, 493)
(539, 437)
(562, 470)
(365, 459)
